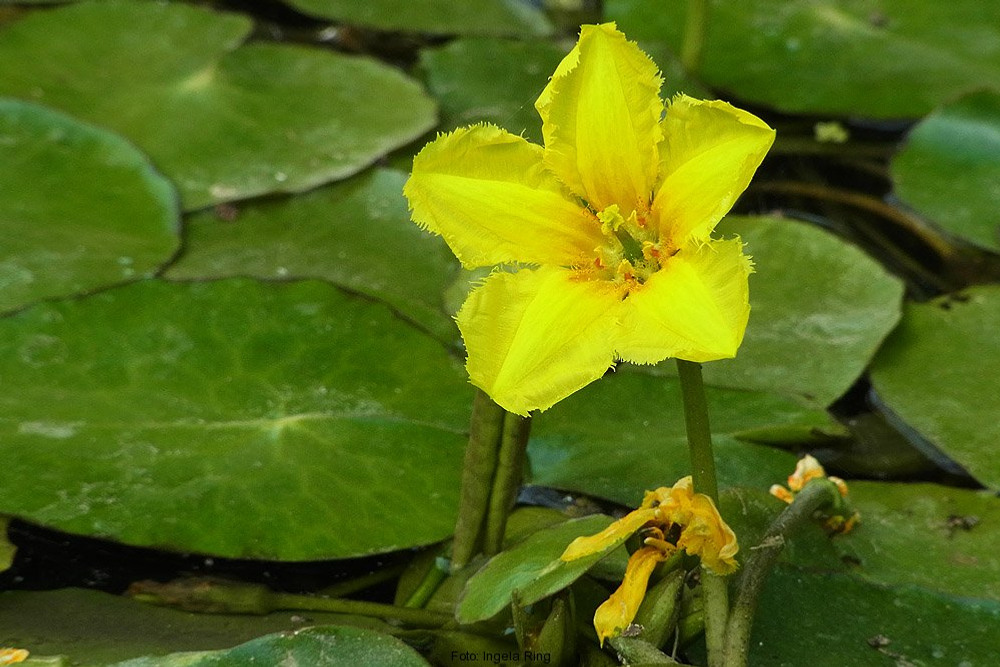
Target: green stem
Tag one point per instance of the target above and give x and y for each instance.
(699, 432)
(428, 585)
(507, 480)
(816, 495)
(695, 25)
(417, 617)
(699, 435)
(478, 471)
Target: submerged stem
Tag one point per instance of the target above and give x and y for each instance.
(478, 471)
(507, 480)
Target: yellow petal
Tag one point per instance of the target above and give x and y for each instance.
(536, 336)
(618, 611)
(488, 193)
(709, 153)
(610, 537)
(695, 307)
(600, 118)
(781, 493)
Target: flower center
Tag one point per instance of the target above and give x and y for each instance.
(631, 252)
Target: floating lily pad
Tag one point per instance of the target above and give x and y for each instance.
(92, 628)
(840, 620)
(935, 537)
(356, 234)
(80, 207)
(886, 58)
(625, 434)
(949, 169)
(325, 646)
(441, 17)
(223, 121)
(532, 568)
(938, 373)
(242, 419)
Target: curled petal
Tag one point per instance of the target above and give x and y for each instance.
(536, 336)
(781, 493)
(600, 119)
(709, 153)
(610, 537)
(487, 192)
(618, 611)
(807, 468)
(707, 536)
(695, 307)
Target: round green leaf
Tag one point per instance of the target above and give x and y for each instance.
(356, 234)
(819, 309)
(839, 620)
(241, 419)
(938, 373)
(80, 208)
(950, 167)
(323, 647)
(224, 121)
(935, 537)
(533, 569)
(890, 58)
(491, 80)
(442, 17)
(625, 434)
(93, 628)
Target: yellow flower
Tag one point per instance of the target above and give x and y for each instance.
(807, 469)
(608, 226)
(663, 512)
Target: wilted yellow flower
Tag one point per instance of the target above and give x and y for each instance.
(702, 532)
(10, 656)
(606, 230)
(807, 469)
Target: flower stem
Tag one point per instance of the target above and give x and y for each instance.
(816, 495)
(507, 480)
(698, 431)
(699, 435)
(695, 24)
(478, 470)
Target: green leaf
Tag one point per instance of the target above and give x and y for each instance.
(322, 646)
(949, 168)
(356, 234)
(938, 371)
(819, 309)
(491, 80)
(625, 434)
(7, 549)
(532, 568)
(886, 59)
(93, 628)
(80, 208)
(933, 537)
(223, 121)
(839, 620)
(442, 17)
(235, 418)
